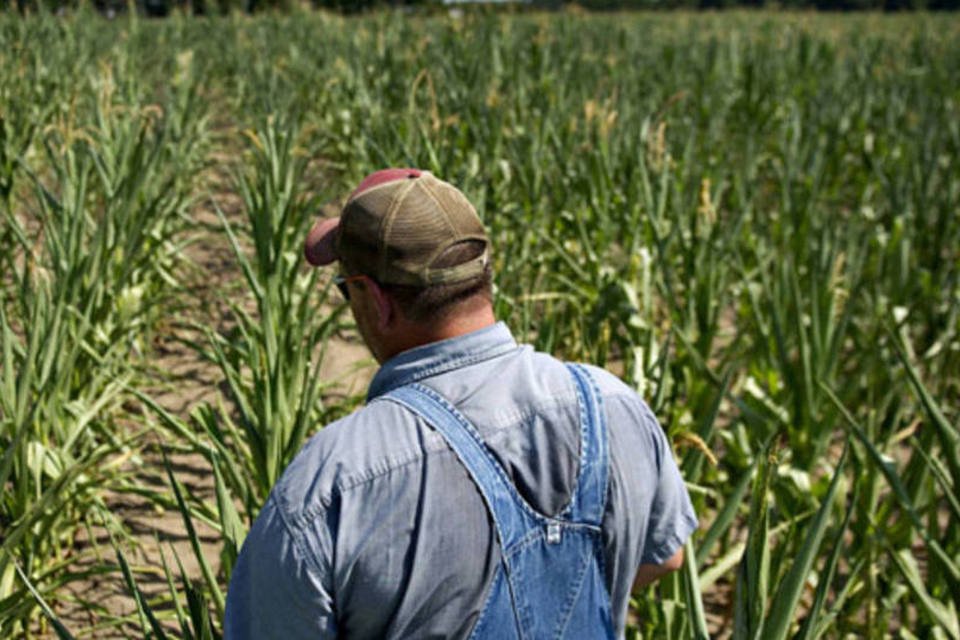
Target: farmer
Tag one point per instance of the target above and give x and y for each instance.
(485, 488)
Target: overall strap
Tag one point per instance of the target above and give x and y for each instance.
(508, 510)
(589, 500)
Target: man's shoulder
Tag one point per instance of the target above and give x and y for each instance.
(355, 449)
(627, 412)
(608, 383)
(615, 390)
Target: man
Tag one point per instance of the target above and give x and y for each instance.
(392, 522)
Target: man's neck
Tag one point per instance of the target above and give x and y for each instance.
(410, 335)
(463, 324)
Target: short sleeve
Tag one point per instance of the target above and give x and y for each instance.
(279, 588)
(672, 518)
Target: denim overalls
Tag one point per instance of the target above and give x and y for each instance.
(550, 582)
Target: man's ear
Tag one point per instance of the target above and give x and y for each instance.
(385, 310)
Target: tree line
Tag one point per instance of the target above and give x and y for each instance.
(160, 8)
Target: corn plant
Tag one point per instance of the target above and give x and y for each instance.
(270, 359)
(89, 257)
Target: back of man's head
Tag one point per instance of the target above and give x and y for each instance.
(416, 236)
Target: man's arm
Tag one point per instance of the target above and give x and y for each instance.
(672, 518)
(279, 588)
(649, 573)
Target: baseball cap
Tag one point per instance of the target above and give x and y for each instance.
(394, 227)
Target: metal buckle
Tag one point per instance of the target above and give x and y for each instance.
(553, 533)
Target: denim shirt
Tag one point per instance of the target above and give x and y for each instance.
(376, 530)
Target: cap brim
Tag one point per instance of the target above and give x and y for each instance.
(320, 247)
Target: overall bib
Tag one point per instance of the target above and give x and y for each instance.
(550, 580)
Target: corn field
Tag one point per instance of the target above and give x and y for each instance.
(752, 218)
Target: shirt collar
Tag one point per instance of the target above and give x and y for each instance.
(434, 358)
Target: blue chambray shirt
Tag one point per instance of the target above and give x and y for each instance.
(375, 529)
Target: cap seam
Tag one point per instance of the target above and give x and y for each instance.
(386, 225)
(426, 269)
(377, 187)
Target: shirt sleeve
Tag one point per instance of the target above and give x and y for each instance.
(279, 587)
(672, 518)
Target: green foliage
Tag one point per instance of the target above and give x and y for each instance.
(267, 360)
(750, 218)
(96, 194)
